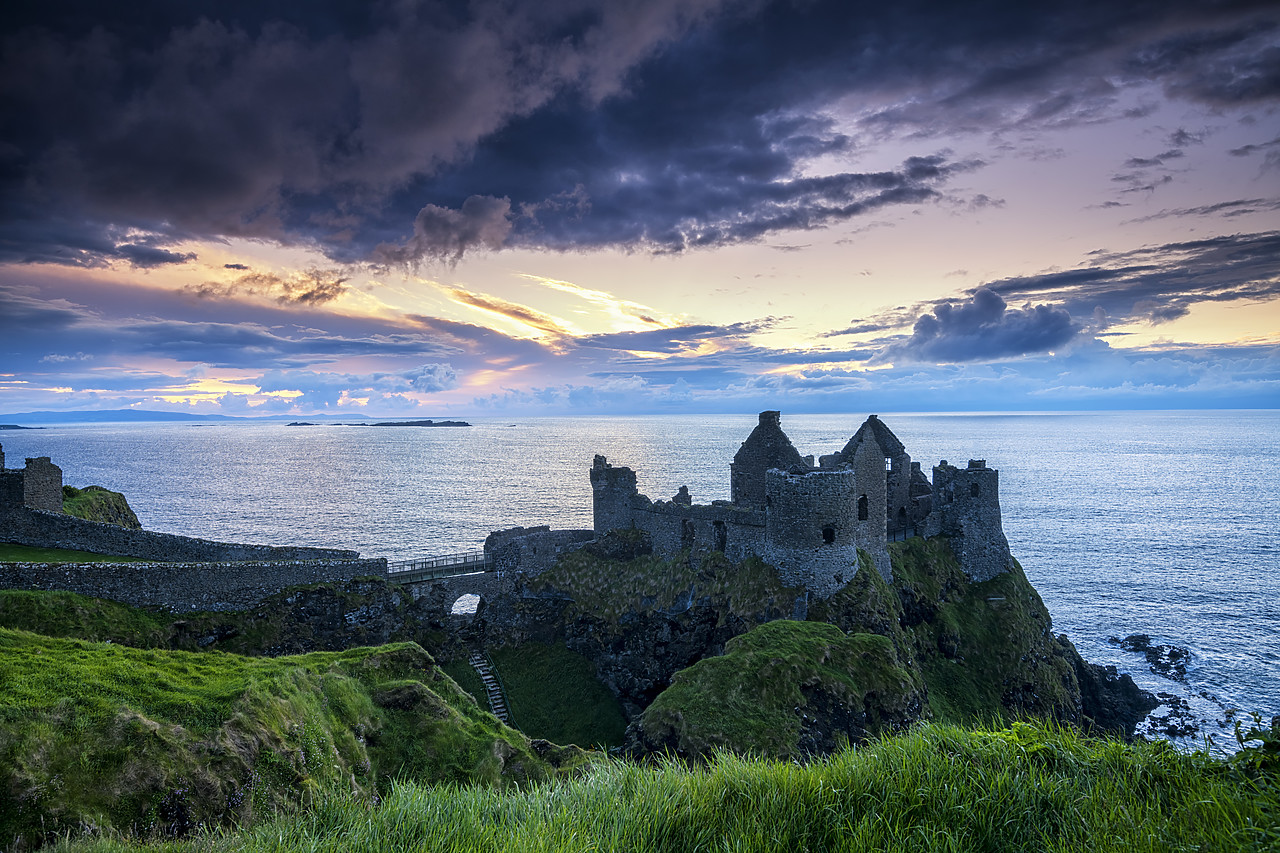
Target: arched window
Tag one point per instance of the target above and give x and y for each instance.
(862, 508)
(828, 535)
(973, 490)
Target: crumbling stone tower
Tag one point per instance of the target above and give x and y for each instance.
(966, 508)
(811, 531)
(612, 492)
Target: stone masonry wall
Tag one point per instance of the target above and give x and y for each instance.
(185, 586)
(11, 490)
(674, 527)
(42, 529)
(612, 489)
(531, 550)
(42, 485)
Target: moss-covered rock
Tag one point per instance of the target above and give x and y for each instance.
(783, 689)
(95, 503)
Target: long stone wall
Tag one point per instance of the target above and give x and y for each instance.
(185, 586)
(25, 526)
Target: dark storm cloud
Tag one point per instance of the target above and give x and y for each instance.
(672, 340)
(1226, 209)
(401, 131)
(984, 328)
(1159, 283)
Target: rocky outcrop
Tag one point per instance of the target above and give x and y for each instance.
(95, 503)
(1163, 659)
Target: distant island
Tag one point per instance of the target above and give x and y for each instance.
(15, 426)
(427, 423)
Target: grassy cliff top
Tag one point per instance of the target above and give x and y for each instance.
(138, 740)
(96, 503)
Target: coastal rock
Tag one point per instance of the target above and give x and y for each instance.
(1173, 718)
(1163, 659)
(1110, 699)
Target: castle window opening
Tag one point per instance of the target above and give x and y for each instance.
(687, 534)
(888, 463)
(722, 536)
(862, 508)
(973, 490)
(828, 535)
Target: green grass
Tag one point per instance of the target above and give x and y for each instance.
(95, 734)
(96, 503)
(66, 614)
(937, 788)
(553, 693)
(11, 553)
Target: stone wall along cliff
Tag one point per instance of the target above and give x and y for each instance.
(42, 529)
(185, 586)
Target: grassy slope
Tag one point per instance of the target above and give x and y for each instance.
(985, 650)
(937, 788)
(11, 553)
(553, 694)
(102, 735)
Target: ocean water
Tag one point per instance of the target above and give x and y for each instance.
(1164, 523)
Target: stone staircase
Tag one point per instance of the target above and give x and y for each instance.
(497, 701)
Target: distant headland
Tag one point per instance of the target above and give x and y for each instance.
(426, 423)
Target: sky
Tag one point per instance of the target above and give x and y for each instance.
(399, 208)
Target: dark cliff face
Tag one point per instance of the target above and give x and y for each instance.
(981, 651)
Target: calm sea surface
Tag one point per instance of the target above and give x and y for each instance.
(1160, 523)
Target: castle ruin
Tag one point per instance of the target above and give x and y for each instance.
(37, 486)
(809, 521)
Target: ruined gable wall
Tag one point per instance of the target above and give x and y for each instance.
(42, 485)
(766, 447)
(868, 470)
